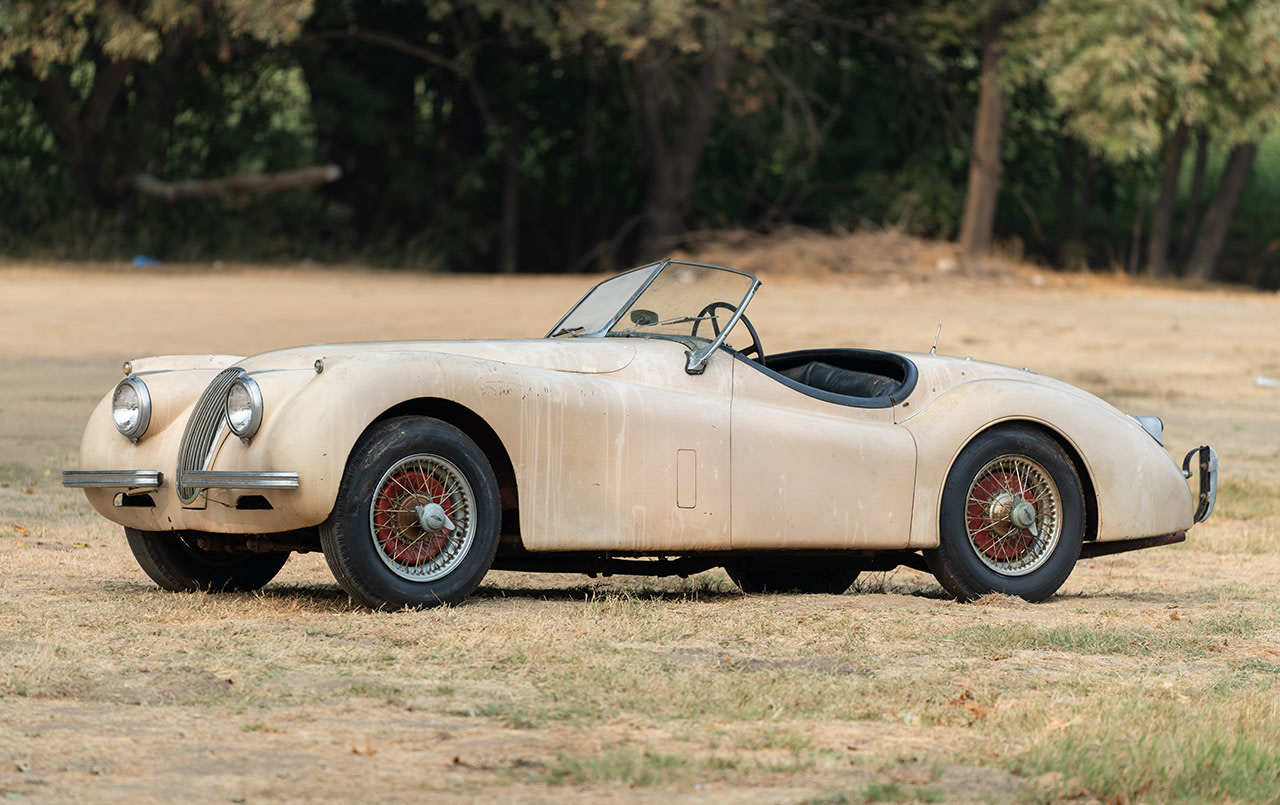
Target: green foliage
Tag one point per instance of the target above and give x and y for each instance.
(43, 35)
(444, 113)
(1123, 74)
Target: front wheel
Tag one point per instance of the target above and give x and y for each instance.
(1012, 518)
(174, 561)
(417, 518)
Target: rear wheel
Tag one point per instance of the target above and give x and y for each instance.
(1012, 518)
(417, 518)
(174, 561)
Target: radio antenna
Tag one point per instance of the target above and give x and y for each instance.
(934, 349)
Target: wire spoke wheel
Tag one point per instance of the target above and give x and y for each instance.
(417, 519)
(1013, 515)
(413, 547)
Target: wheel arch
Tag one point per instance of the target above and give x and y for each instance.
(470, 423)
(938, 455)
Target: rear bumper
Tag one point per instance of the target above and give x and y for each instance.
(1208, 472)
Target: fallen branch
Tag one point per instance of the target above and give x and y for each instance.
(242, 183)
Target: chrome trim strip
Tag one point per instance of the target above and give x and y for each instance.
(129, 479)
(219, 479)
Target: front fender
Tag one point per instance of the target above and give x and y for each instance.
(312, 420)
(1138, 489)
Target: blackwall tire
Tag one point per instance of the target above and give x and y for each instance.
(1012, 519)
(417, 518)
(176, 563)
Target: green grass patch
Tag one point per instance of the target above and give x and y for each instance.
(20, 474)
(896, 792)
(1247, 499)
(1120, 639)
(629, 766)
(1219, 749)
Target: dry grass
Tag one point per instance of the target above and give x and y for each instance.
(1151, 678)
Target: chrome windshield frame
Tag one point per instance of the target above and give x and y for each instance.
(699, 349)
(657, 268)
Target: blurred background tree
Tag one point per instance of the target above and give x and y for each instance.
(565, 135)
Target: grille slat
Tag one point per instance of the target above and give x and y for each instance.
(206, 423)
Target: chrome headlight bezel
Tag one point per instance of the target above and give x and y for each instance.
(243, 407)
(137, 412)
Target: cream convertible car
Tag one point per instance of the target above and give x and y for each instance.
(632, 439)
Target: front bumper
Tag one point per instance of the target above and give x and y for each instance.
(1208, 472)
(147, 480)
(132, 480)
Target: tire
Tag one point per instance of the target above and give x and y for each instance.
(174, 561)
(1012, 518)
(800, 578)
(378, 541)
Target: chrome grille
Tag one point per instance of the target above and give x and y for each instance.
(206, 423)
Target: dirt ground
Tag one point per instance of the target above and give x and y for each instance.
(115, 712)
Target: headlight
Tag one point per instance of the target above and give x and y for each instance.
(131, 407)
(244, 408)
(1153, 426)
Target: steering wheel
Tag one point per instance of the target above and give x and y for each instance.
(753, 347)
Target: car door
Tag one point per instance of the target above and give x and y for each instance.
(813, 474)
(633, 460)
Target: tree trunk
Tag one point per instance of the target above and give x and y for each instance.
(79, 129)
(1162, 215)
(1192, 214)
(978, 224)
(1068, 221)
(1135, 234)
(1217, 219)
(509, 249)
(673, 163)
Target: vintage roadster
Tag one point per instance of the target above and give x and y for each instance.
(631, 439)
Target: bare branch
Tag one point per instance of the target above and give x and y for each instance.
(242, 183)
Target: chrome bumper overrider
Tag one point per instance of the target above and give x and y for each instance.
(143, 480)
(1208, 479)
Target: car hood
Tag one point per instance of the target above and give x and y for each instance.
(584, 356)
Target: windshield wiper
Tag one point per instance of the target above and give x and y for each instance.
(566, 331)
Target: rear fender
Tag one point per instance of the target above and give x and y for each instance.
(1137, 486)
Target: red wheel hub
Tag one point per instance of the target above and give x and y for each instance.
(395, 517)
(990, 512)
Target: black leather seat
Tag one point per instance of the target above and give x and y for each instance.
(847, 382)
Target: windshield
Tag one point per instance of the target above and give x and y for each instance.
(693, 303)
(670, 298)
